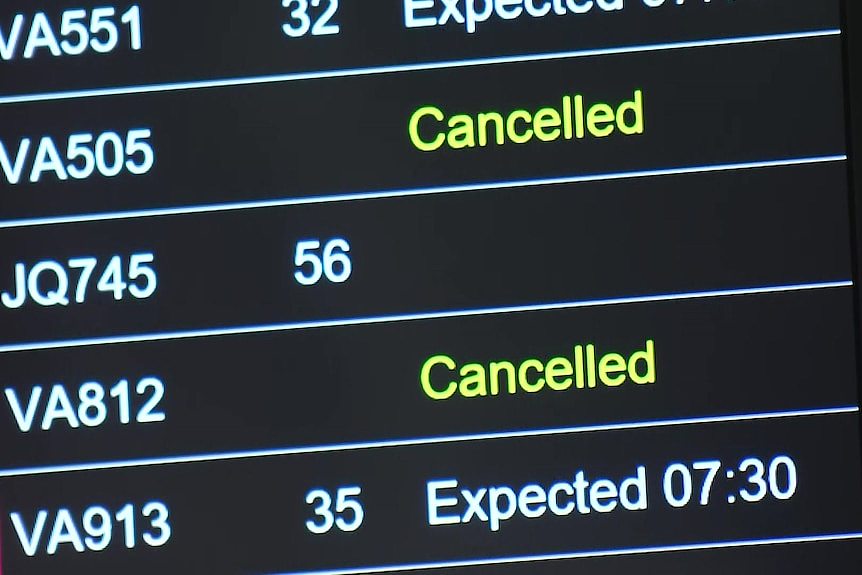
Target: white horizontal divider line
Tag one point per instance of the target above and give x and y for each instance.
(399, 68)
(398, 318)
(590, 554)
(403, 193)
(420, 441)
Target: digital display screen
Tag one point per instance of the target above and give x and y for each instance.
(458, 287)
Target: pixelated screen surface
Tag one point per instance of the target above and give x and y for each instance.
(322, 287)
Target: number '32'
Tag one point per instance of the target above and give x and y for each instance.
(301, 22)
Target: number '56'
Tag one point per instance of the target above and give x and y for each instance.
(312, 265)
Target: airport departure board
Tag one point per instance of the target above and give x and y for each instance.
(456, 287)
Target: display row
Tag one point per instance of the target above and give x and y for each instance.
(425, 132)
(445, 254)
(438, 381)
(471, 503)
(110, 44)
